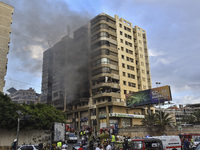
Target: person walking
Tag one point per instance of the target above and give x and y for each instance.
(186, 144)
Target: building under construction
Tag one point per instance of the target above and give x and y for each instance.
(89, 76)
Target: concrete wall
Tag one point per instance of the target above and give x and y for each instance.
(141, 131)
(25, 137)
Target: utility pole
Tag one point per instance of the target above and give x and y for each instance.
(18, 124)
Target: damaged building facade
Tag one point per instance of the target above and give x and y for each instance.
(108, 59)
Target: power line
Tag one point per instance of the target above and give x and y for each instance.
(21, 82)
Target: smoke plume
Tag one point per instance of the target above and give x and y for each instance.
(38, 25)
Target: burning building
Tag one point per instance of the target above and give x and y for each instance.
(91, 74)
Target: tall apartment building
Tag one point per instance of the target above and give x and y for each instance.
(65, 70)
(118, 65)
(6, 12)
(107, 59)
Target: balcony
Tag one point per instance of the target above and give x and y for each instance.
(114, 85)
(111, 94)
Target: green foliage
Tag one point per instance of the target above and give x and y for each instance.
(196, 115)
(149, 120)
(8, 115)
(160, 120)
(188, 119)
(42, 116)
(104, 136)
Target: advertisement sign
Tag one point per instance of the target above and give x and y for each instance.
(101, 116)
(122, 115)
(151, 96)
(59, 131)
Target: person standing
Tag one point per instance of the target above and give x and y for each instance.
(113, 141)
(108, 147)
(14, 145)
(59, 145)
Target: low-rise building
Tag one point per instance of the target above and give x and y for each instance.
(23, 96)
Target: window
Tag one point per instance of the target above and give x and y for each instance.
(142, 63)
(131, 60)
(124, 73)
(132, 68)
(133, 84)
(128, 67)
(124, 82)
(129, 75)
(101, 61)
(142, 71)
(132, 76)
(141, 56)
(121, 40)
(130, 52)
(127, 58)
(127, 50)
(126, 35)
(122, 56)
(123, 65)
(121, 33)
(120, 25)
(143, 79)
(124, 91)
(122, 48)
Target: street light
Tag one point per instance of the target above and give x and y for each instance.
(157, 83)
(18, 123)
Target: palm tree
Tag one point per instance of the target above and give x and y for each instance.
(149, 121)
(162, 120)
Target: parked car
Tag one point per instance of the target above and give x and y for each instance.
(71, 138)
(28, 147)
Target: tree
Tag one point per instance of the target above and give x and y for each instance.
(149, 121)
(188, 119)
(196, 115)
(43, 116)
(162, 120)
(8, 115)
(40, 116)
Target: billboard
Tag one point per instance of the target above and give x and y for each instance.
(151, 96)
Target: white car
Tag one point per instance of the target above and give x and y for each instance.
(72, 138)
(28, 147)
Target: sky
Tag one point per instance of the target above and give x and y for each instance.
(172, 27)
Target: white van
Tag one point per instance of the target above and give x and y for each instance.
(170, 142)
